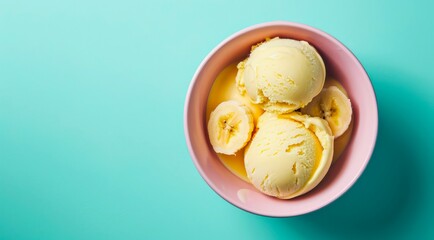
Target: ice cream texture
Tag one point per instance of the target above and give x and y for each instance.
(290, 150)
(224, 89)
(281, 75)
(289, 154)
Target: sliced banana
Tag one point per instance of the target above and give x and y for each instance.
(333, 106)
(331, 81)
(230, 127)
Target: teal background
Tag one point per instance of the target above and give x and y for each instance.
(91, 120)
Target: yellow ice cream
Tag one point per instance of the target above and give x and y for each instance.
(289, 154)
(281, 75)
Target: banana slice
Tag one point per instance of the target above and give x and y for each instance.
(331, 81)
(230, 127)
(333, 106)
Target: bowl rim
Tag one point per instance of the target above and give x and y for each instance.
(240, 33)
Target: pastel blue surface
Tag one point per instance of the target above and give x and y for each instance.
(91, 120)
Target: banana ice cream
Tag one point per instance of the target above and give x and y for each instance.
(287, 150)
(289, 154)
(281, 75)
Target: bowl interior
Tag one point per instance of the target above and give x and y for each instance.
(340, 63)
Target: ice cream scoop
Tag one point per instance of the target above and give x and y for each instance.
(281, 75)
(289, 154)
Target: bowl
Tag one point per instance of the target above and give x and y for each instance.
(341, 63)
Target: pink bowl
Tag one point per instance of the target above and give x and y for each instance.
(341, 63)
